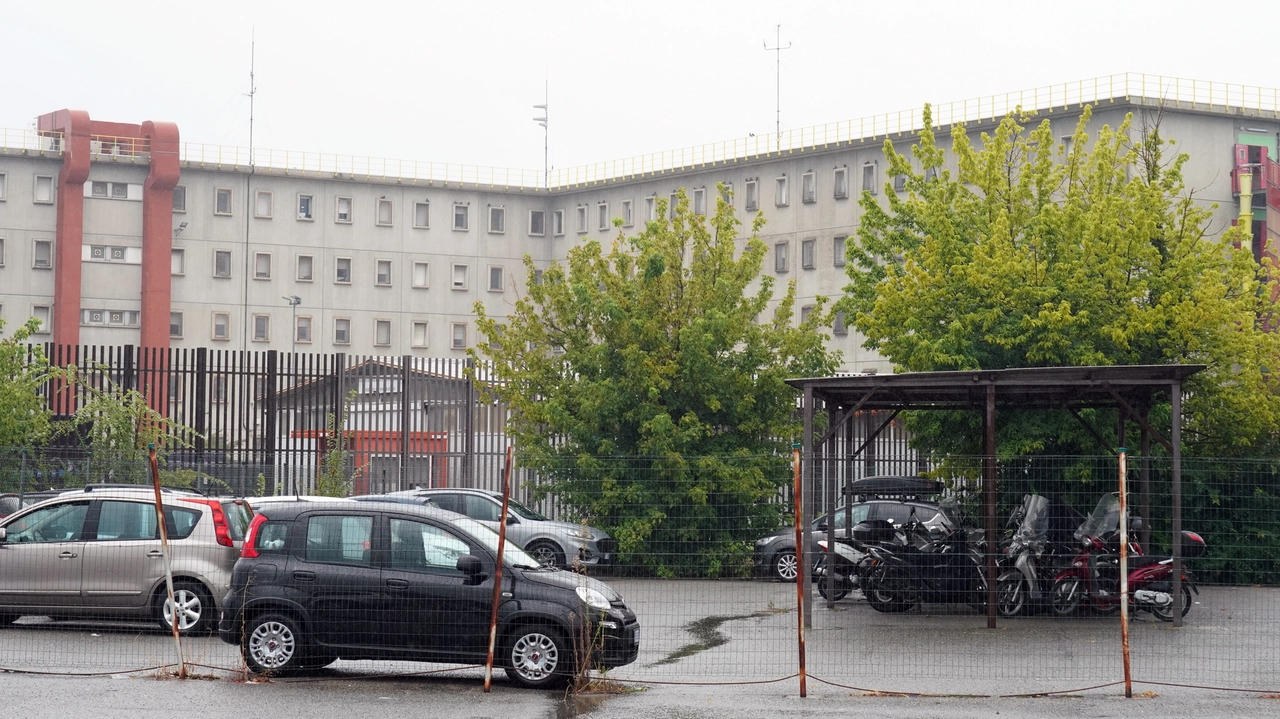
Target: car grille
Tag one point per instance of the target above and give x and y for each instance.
(608, 545)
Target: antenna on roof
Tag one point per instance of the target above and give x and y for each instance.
(546, 133)
(253, 89)
(777, 49)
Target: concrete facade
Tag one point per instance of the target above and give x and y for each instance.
(242, 243)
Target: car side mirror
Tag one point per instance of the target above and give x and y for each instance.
(470, 565)
(511, 519)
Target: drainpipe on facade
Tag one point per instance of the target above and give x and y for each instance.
(1244, 174)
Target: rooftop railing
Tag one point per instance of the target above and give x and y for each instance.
(1173, 92)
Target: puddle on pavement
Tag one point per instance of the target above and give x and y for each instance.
(707, 632)
(576, 705)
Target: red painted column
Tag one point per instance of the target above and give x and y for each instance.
(69, 238)
(157, 232)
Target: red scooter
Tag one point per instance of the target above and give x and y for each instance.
(1093, 578)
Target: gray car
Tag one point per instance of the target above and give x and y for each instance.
(97, 553)
(553, 543)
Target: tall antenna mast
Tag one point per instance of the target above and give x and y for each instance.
(546, 134)
(253, 90)
(777, 49)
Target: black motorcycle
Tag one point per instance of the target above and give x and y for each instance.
(945, 569)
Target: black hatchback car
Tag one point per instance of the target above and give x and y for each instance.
(378, 580)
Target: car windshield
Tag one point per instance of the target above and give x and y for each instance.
(525, 512)
(513, 554)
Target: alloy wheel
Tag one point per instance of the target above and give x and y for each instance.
(535, 656)
(272, 645)
(784, 565)
(190, 609)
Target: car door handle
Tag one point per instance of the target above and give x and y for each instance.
(155, 554)
(398, 583)
(68, 555)
(304, 576)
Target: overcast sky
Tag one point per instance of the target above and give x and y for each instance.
(456, 81)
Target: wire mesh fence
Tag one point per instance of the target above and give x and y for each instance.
(675, 570)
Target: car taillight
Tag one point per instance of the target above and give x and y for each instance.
(220, 529)
(249, 549)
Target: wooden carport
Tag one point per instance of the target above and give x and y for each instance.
(1130, 389)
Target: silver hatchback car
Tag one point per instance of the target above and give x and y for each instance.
(552, 543)
(97, 553)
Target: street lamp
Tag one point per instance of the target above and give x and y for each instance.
(293, 301)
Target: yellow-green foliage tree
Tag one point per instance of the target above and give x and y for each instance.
(646, 393)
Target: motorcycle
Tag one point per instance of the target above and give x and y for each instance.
(1093, 578)
(844, 562)
(1029, 561)
(946, 569)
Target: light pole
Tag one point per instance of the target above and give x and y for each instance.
(546, 134)
(293, 301)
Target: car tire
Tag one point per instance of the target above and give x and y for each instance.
(783, 565)
(196, 608)
(537, 657)
(272, 645)
(547, 553)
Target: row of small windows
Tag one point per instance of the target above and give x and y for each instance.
(305, 270)
(808, 252)
(303, 329)
(41, 254)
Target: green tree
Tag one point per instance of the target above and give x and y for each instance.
(1024, 252)
(24, 419)
(646, 394)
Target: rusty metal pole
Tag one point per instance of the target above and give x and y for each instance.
(989, 497)
(497, 572)
(1124, 574)
(801, 539)
(168, 564)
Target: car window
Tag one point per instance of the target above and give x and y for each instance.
(900, 513)
(238, 514)
(182, 522)
(859, 514)
(481, 508)
(127, 520)
(425, 547)
(525, 512)
(450, 502)
(271, 537)
(62, 522)
(339, 539)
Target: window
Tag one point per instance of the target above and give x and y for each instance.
(385, 212)
(261, 328)
(781, 195)
(557, 223)
(177, 261)
(753, 196)
(537, 277)
(808, 188)
(306, 265)
(726, 193)
(422, 215)
(628, 214)
(42, 258)
(342, 331)
(700, 202)
(342, 210)
(3, 183)
(806, 253)
(1, 252)
(221, 325)
(602, 216)
(840, 181)
(672, 205)
(97, 189)
(417, 546)
(222, 263)
(104, 253)
(222, 201)
(805, 313)
(869, 177)
(383, 278)
(837, 326)
(218, 388)
(461, 217)
(339, 540)
(262, 205)
(41, 313)
(382, 333)
(44, 189)
(180, 199)
(119, 191)
(262, 265)
(63, 522)
(837, 251)
(582, 219)
(459, 335)
(342, 271)
(537, 223)
(306, 207)
(459, 277)
(497, 220)
(418, 336)
(780, 257)
(495, 279)
(302, 329)
(175, 325)
(421, 275)
(650, 209)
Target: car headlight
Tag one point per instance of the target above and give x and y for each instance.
(579, 533)
(592, 597)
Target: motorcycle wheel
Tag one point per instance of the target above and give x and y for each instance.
(1011, 597)
(1065, 596)
(883, 595)
(1165, 614)
(842, 589)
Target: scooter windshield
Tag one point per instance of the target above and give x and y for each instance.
(1034, 529)
(1104, 520)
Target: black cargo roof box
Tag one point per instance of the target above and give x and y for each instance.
(895, 487)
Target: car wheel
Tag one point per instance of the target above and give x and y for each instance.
(195, 608)
(272, 644)
(538, 658)
(547, 553)
(784, 565)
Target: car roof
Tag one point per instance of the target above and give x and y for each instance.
(289, 510)
(424, 491)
